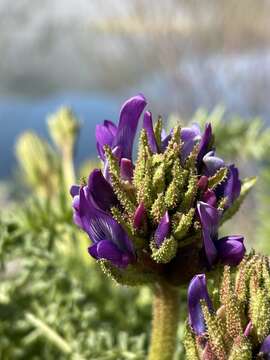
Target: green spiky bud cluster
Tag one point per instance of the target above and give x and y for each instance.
(241, 323)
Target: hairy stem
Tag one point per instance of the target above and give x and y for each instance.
(166, 305)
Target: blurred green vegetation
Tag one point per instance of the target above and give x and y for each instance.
(54, 300)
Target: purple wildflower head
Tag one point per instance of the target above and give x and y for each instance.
(160, 213)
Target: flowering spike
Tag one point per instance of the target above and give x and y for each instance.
(159, 179)
(239, 330)
(184, 224)
(166, 252)
(218, 178)
(175, 189)
(120, 192)
(158, 130)
(158, 208)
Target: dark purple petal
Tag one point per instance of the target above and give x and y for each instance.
(162, 230)
(231, 249)
(212, 163)
(209, 217)
(265, 348)
(74, 190)
(101, 191)
(232, 186)
(189, 136)
(105, 135)
(126, 169)
(139, 217)
(204, 143)
(148, 126)
(209, 197)
(99, 225)
(107, 250)
(129, 118)
(202, 183)
(197, 291)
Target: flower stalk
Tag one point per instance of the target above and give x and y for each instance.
(165, 322)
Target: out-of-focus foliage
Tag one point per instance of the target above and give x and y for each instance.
(54, 300)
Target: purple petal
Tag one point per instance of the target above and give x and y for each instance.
(265, 348)
(197, 291)
(126, 169)
(209, 197)
(99, 225)
(204, 143)
(231, 249)
(101, 191)
(148, 126)
(139, 216)
(203, 183)
(163, 229)
(165, 139)
(212, 163)
(189, 136)
(74, 190)
(209, 217)
(105, 135)
(129, 118)
(107, 250)
(232, 186)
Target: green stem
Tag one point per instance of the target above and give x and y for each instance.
(166, 306)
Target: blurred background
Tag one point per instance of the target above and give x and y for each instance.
(194, 61)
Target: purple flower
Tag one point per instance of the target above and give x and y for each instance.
(162, 230)
(212, 163)
(230, 249)
(190, 136)
(110, 241)
(265, 348)
(148, 126)
(205, 143)
(140, 217)
(197, 291)
(101, 191)
(121, 136)
(126, 169)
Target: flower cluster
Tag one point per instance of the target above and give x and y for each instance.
(240, 328)
(160, 215)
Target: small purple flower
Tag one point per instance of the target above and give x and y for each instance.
(190, 136)
(212, 163)
(162, 230)
(230, 249)
(110, 241)
(265, 348)
(101, 191)
(205, 143)
(148, 126)
(231, 188)
(121, 136)
(197, 291)
(126, 169)
(140, 217)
